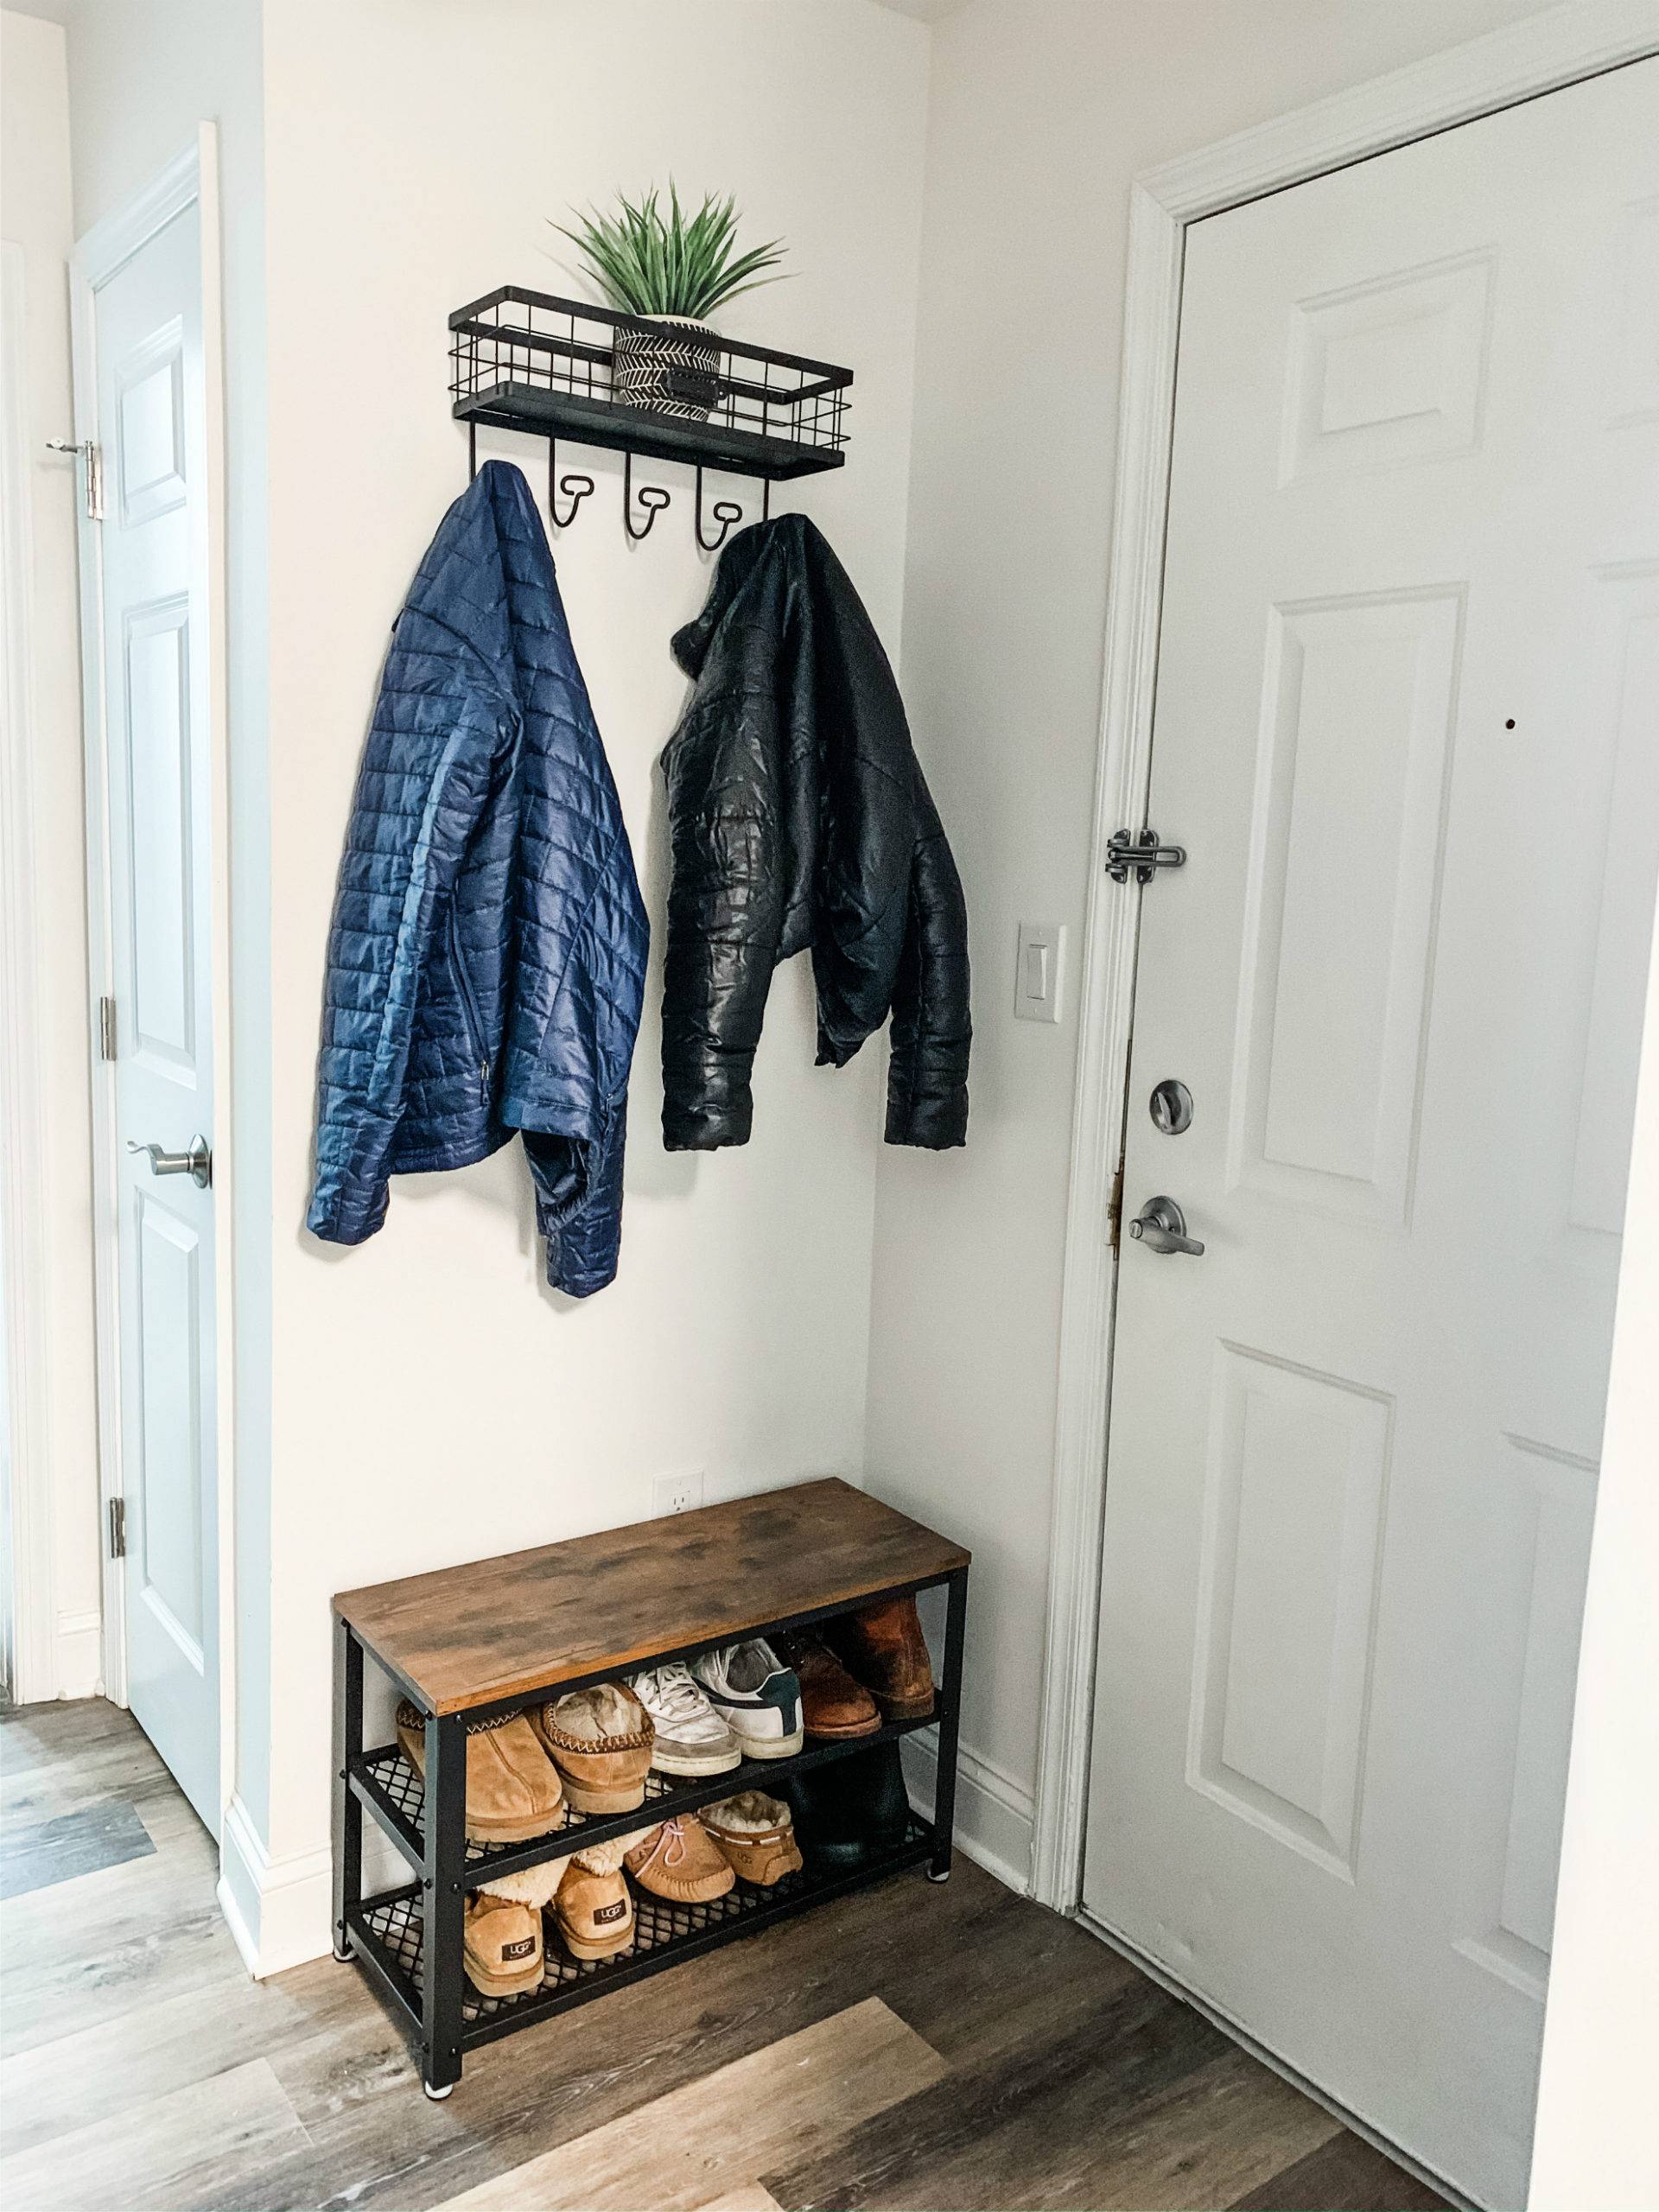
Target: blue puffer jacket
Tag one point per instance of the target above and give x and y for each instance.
(487, 961)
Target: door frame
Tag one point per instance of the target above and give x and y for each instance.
(1560, 47)
(191, 179)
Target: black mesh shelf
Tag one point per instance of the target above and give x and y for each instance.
(394, 1792)
(391, 1929)
(524, 361)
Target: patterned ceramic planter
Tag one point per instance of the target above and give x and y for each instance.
(673, 369)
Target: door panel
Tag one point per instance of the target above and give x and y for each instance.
(1406, 728)
(148, 340)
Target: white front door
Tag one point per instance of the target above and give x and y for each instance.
(1407, 727)
(146, 346)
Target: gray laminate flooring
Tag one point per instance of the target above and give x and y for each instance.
(912, 2047)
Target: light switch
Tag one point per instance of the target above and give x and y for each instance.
(1037, 971)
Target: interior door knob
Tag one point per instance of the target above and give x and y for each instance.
(1161, 1227)
(197, 1163)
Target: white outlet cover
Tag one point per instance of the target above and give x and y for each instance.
(1039, 961)
(679, 1493)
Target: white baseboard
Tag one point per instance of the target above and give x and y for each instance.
(79, 1653)
(278, 1910)
(996, 1815)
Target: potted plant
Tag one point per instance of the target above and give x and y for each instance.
(677, 269)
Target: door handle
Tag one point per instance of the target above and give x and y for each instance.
(197, 1163)
(1161, 1227)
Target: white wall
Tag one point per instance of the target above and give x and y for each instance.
(1040, 115)
(45, 745)
(433, 1402)
(1595, 2141)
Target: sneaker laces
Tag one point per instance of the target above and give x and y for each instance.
(672, 1691)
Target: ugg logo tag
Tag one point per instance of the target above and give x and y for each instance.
(518, 1950)
(606, 1912)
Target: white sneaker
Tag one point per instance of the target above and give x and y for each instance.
(691, 1737)
(757, 1695)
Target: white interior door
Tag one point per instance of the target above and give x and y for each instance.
(147, 344)
(1408, 725)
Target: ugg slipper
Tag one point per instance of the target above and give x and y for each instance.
(501, 1946)
(755, 1835)
(679, 1861)
(592, 1908)
(601, 1740)
(513, 1787)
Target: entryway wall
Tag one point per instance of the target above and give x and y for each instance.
(1038, 119)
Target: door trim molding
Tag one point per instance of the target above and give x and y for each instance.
(191, 179)
(1561, 46)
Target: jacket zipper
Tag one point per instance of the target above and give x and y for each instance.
(468, 1004)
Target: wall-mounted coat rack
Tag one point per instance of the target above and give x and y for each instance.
(532, 362)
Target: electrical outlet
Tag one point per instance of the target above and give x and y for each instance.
(678, 1493)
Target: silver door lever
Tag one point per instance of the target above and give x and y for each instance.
(197, 1163)
(1161, 1227)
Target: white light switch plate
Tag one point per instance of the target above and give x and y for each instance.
(1037, 964)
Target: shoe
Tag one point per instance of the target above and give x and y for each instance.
(757, 1696)
(691, 1737)
(500, 1946)
(601, 1740)
(755, 1835)
(883, 1646)
(833, 1706)
(512, 1791)
(850, 1811)
(679, 1861)
(592, 1908)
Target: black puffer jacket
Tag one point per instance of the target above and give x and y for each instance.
(798, 816)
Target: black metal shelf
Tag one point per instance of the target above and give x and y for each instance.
(392, 1791)
(534, 361)
(388, 1933)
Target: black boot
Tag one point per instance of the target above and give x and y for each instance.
(850, 1811)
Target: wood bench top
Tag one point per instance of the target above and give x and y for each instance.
(500, 1628)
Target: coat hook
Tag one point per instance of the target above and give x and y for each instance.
(575, 489)
(472, 449)
(726, 513)
(652, 498)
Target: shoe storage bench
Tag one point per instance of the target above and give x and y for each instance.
(470, 1645)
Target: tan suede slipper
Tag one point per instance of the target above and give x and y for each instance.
(755, 1835)
(678, 1861)
(512, 1788)
(601, 1739)
(592, 1909)
(501, 1946)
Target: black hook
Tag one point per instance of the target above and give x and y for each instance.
(726, 513)
(472, 449)
(575, 489)
(652, 498)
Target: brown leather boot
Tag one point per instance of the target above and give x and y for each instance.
(884, 1648)
(512, 1789)
(832, 1704)
(678, 1861)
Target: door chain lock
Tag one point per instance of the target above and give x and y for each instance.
(1140, 850)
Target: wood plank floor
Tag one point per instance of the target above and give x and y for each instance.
(909, 2048)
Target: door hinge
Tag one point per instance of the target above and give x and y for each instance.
(1115, 1207)
(1140, 850)
(94, 460)
(118, 1528)
(106, 1029)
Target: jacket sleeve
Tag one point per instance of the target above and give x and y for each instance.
(425, 775)
(927, 1072)
(726, 907)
